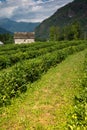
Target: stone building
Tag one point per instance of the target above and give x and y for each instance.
(24, 37)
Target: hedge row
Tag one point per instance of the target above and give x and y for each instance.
(12, 49)
(6, 61)
(78, 118)
(23, 47)
(8, 58)
(14, 81)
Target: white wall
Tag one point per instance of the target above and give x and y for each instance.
(1, 43)
(20, 41)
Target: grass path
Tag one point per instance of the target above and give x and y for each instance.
(46, 104)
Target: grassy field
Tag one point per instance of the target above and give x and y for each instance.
(48, 101)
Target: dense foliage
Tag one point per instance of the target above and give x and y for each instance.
(6, 38)
(24, 70)
(69, 32)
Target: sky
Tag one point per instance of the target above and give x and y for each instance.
(30, 10)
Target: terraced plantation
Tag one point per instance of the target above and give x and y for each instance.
(42, 86)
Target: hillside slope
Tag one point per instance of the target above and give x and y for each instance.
(75, 11)
(14, 26)
(3, 31)
(45, 106)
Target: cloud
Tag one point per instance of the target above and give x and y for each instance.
(29, 10)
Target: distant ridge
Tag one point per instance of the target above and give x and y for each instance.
(4, 31)
(74, 11)
(14, 26)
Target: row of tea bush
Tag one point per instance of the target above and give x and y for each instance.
(14, 81)
(29, 53)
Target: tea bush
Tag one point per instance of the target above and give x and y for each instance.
(30, 52)
(14, 81)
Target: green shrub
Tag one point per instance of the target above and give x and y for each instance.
(23, 52)
(14, 81)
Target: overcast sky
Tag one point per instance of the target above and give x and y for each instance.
(30, 10)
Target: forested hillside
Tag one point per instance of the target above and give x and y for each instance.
(75, 11)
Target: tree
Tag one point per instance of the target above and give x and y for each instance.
(54, 33)
(76, 30)
(68, 33)
(72, 31)
(6, 38)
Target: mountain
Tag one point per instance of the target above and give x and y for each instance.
(74, 11)
(4, 31)
(14, 26)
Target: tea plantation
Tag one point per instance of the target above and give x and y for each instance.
(22, 69)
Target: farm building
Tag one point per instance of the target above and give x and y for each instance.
(1, 43)
(24, 37)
